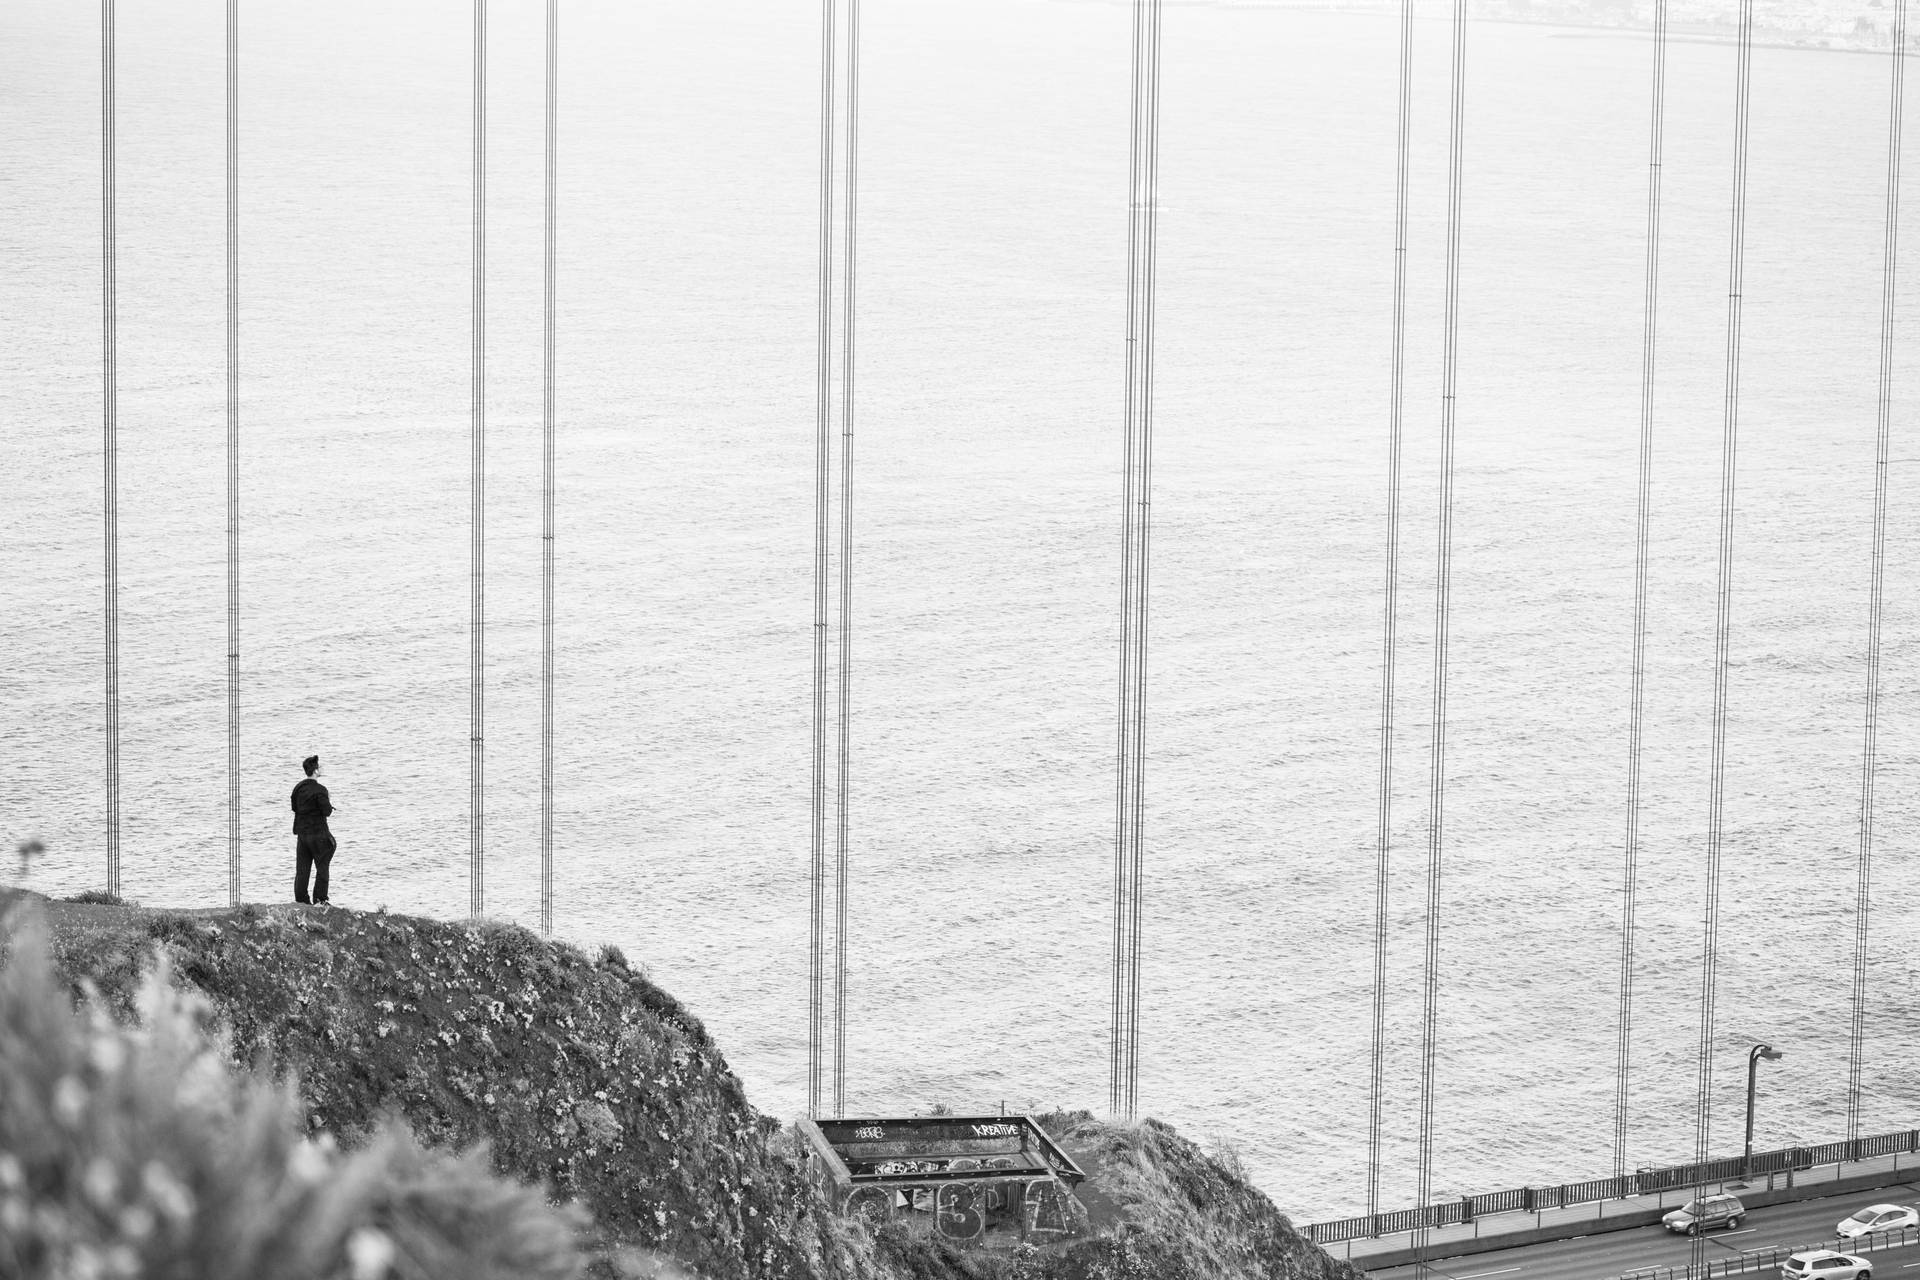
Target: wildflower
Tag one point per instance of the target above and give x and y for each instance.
(102, 1182)
(165, 1192)
(69, 1101)
(370, 1253)
(107, 1053)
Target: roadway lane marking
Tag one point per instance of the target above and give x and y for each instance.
(1503, 1271)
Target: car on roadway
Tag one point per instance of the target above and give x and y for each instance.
(1703, 1212)
(1877, 1217)
(1826, 1264)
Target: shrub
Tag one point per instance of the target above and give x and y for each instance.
(1179, 1213)
(137, 1151)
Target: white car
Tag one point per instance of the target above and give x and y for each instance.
(1875, 1218)
(1825, 1264)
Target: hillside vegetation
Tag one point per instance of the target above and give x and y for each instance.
(581, 1076)
(130, 1152)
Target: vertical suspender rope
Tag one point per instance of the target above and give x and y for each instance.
(1861, 908)
(1635, 721)
(1736, 270)
(841, 791)
(821, 554)
(477, 623)
(233, 452)
(1130, 810)
(110, 391)
(1442, 609)
(1143, 529)
(1117, 1030)
(1710, 916)
(1390, 613)
(547, 378)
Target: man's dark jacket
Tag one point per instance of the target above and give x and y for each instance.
(310, 808)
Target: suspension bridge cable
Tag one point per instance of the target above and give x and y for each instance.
(1442, 610)
(1710, 914)
(110, 393)
(1143, 196)
(1144, 529)
(821, 552)
(842, 791)
(1642, 525)
(477, 624)
(1862, 899)
(233, 452)
(1116, 1036)
(1736, 270)
(548, 363)
(1390, 614)
(1141, 530)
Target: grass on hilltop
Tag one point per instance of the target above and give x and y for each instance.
(582, 1076)
(136, 1151)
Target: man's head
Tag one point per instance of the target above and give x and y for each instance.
(311, 764)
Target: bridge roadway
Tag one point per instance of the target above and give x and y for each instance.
(1800, 1223)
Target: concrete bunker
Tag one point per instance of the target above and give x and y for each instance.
(983, 1180)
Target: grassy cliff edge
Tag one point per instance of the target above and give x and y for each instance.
(582, 1075)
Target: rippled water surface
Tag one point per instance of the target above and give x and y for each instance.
(991, 305)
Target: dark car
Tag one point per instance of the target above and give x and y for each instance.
(1705, 1212)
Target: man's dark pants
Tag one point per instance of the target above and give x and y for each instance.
(313, 852)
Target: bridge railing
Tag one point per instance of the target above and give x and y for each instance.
(1770, 1258)
(1643, 1182)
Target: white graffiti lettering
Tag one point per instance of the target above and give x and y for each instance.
(957, 1212)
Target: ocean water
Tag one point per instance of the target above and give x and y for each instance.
(987, 522)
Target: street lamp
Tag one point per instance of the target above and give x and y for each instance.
(1754, 1055)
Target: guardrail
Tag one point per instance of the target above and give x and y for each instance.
(1751, 1260)
(1642, 1182)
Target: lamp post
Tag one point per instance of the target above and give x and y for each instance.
(1754, 1055)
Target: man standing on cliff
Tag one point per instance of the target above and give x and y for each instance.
(313, 844)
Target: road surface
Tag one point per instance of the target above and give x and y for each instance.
(1806, 1223)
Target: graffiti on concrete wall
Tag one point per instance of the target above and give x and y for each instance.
(957, 1212)
(1039, 1210)
(1044, 1210)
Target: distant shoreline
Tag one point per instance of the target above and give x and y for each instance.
(1585, 32)
(1578, 30)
